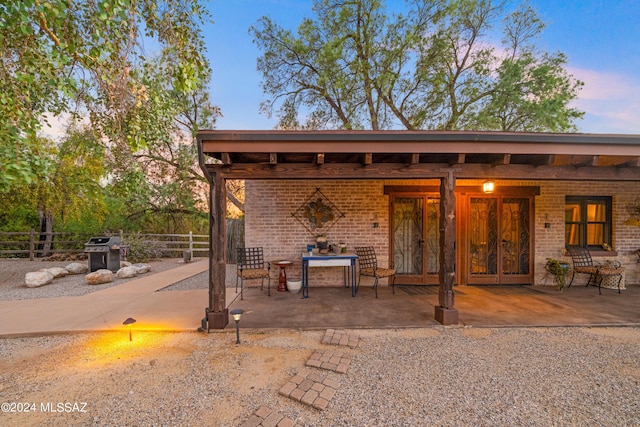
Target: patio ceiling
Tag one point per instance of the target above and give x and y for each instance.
(418, 154)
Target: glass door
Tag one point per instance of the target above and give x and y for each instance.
(415, 239)
(499, 246)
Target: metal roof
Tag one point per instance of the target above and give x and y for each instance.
(419, 154)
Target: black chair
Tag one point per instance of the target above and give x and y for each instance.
(582, 264)
(368, 264)
(251, 265)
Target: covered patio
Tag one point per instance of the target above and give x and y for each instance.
(410, 159)
(413, 307)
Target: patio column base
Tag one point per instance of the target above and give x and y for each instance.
(217, 319)
(446, 316)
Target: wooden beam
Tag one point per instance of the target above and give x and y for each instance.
(368, 158)
(515, 190)
(320, 158)
(445, 312)
(217, 314)
(415, 158)
(461, 158)
(273, 158)
(226, 159)
(506, 159)
(423, 171)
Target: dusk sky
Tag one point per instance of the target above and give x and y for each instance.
(599, 37)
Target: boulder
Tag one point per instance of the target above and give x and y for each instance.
(38, 278)
(56, 271)
(127, 272)
(142, 268)
(99, 277)
(125, 264)
(77, 268)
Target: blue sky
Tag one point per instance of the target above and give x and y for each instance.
(600, 37)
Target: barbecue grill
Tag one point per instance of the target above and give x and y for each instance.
(103, 253)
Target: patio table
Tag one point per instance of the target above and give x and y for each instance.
(347, 261)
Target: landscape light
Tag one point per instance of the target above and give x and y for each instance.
(130, 321)
(237, 314)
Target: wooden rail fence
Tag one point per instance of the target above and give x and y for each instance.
(35, 244)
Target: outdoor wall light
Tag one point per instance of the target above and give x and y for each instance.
(237, 314)
(130, 321)
(488, 187)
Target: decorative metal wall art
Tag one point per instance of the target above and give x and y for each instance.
(318, 214)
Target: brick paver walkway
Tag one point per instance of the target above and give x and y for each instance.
(313, 389)
(331, 360)
(335, 337)
(265, 417)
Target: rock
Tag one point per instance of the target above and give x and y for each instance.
(142, 268)
(125, 264)
(99, 277)
(127, 272)
(77, 268)
(56, 271)
(38, 278)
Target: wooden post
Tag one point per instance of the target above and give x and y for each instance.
(445, 313)
(32, 244)
(217, 313)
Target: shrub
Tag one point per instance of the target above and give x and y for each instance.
(141, 250)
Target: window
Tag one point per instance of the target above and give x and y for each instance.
(587, 221)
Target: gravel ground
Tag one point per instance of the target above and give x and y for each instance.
(12, 272)
(440, 376)
(414, 377)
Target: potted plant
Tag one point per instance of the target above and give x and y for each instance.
(321, 241)
(559, 270)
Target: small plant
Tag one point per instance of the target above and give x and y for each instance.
(559, 270)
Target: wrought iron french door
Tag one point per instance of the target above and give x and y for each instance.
(415, 238)
(499, 240)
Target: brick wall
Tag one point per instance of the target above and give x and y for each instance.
(269, 223)
(270, 203)
(550, 208)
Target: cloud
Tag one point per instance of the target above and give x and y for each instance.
(610, 100)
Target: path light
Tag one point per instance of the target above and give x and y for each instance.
(130, 321)
(237, 314)
(488, 187)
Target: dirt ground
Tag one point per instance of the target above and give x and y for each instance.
(155, 379)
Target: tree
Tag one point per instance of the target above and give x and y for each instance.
(357, 66)
(76, 57)
(67, 191)
(160, 179)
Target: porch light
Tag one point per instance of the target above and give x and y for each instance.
(237, 314)
(488, 187)
(130, 321)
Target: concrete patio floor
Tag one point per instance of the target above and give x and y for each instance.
(334, 307)
(413, 306)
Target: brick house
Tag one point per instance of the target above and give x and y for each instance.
(418, 199)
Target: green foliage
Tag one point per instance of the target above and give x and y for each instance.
(60, 56)
(559, 270)
(358, 66)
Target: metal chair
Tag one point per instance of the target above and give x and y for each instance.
(251, 265)
(369, 267)
(582, 264)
